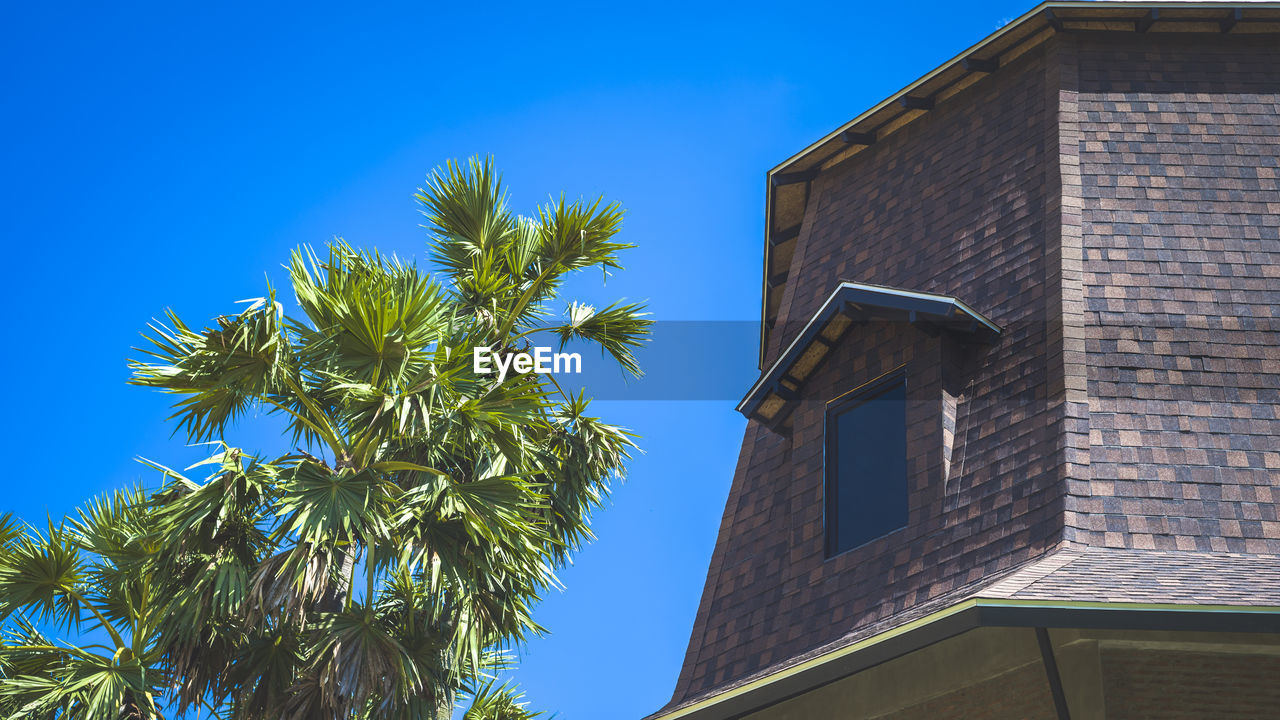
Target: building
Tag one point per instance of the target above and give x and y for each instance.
(1014, 451)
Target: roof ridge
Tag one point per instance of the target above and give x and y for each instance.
(1030, 574)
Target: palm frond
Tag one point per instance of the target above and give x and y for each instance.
(218, 372)
(466, 209)
(618, 329)
(40, 574)
(498, 702)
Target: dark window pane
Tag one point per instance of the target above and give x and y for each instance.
(867, 467)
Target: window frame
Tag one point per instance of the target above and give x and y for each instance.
(840, 404)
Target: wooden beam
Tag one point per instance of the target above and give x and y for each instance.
(780, 236)
(927, 327)
(1053, 20)
(912, 102)
(779, 422)
(1051, 671)
(988, 65)
(1233, 17)
(792, 178)
(777, 279)
(1145, 22)
(849, 137)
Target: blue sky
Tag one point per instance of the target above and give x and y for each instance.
(171, 155)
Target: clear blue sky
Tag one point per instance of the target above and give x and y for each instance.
(170, 154)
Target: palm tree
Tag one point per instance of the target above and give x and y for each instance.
(88, 575)
(385, 567)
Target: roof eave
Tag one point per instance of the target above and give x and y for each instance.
(785, 683)
(1037, 12)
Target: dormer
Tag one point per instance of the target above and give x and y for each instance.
(850, 306)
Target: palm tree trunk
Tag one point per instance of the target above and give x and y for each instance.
(444, 703)
(444, 692)
(334, 600)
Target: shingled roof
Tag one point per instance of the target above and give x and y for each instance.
(788, 185)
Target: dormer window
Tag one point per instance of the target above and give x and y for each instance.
(866, 463)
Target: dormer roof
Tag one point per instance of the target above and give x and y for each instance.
(770, 400)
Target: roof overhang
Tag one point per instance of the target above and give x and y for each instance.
(774, 394)
(972, 614)
(788, 185)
